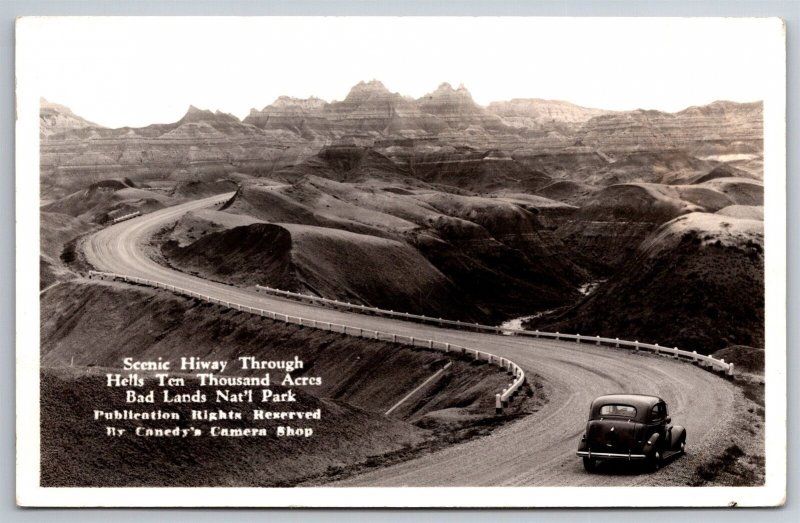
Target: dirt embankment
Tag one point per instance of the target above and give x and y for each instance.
(56, 249)
(421, 250)
(201, 189)
(696, 283)
(77, 453)
(103, 201)
(607, 230)
(326, 262)
(94, 326)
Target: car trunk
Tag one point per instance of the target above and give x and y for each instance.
(618, 436)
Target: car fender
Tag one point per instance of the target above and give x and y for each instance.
(651, 444)
(584, 444)
(678, 434)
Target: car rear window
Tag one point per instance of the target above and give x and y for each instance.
(625, 411)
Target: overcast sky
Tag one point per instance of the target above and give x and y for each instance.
(138, 71)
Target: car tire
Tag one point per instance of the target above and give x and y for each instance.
(655, 461)
(589, 464)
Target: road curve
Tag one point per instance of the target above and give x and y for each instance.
(539, 449)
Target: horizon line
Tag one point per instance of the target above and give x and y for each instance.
(43, 100)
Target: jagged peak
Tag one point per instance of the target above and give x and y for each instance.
(195, 114)
(196, 110)
(371, 87)
(445, 90)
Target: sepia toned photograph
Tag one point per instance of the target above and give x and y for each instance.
(281, 260)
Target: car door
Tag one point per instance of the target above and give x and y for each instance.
(658, 423)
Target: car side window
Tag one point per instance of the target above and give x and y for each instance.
(658, 413)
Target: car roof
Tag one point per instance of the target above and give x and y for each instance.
(634, 400)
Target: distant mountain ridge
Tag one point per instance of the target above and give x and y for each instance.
(400, 127)
(55, 118)
(445, 107)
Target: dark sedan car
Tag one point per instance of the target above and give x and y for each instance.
(630, 427)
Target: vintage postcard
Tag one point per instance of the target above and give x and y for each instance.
(401, 262)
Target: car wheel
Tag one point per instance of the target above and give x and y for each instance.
(589, 464)
(655, 461)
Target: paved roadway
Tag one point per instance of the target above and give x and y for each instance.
(540, 448)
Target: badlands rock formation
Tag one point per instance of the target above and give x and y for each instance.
(200, 146)
(696, 282)
(499, 252)
(709, 129)
(204, 145)
(505, 210)
(57, 119)
(532, 113)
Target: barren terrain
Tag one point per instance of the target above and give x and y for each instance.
(636, 224)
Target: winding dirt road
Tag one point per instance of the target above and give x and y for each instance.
(539, 449)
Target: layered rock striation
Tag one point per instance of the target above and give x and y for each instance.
(203, 144)
(708, 129)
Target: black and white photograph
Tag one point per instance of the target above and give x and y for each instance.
(377, 261)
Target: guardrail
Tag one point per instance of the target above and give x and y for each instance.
(702, 360)
(138, 213)
(501, 399)
(126, 217)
